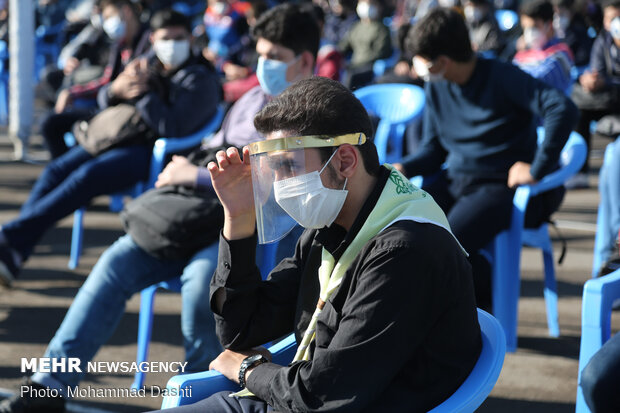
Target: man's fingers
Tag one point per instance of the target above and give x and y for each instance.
(213, 169)
(246, 155)
(233, 156)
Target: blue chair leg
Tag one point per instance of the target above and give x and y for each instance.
(4, 102)
(76, 238)
(551, 294)
(506, 286)
(147, 296)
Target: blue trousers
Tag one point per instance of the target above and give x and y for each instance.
(221, 403)
(70, 182)
(600, 379)
(608, 220)
(125, 269)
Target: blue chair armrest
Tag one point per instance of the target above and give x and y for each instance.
(168, 145)
(190, 388)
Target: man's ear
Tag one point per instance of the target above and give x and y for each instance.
(307, 62)
(349, 159)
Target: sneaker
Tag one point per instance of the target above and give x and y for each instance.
(578, 181)
(33, 398)
(8, 267)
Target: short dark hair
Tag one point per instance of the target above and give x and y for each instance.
(170, 18)
(320, 106)
(289, 26)
(441, 32)
(118, 4)
(537, 10)
(611, 3)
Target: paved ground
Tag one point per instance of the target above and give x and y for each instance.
(540, 377)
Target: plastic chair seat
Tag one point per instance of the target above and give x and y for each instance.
(161, 149)
(506, 247)
(396, 105)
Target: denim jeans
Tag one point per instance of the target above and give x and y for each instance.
(608, 220)
(600, 378)
(70, 182)
(123, 270)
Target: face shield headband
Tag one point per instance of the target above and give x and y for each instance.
(286, 192)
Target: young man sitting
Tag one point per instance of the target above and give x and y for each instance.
(378, 293)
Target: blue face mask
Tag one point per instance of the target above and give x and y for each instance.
(272, 75)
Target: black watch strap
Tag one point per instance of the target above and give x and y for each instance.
(248, 363)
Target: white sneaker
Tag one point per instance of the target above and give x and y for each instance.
(578, 181)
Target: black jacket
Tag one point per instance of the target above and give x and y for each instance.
(400, 334)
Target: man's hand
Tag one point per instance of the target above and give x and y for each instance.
(132, 81)
(402, 69)
(70, 65)
(519, 174)
(179, 171)
(399, 167)
(232, 180)
(229, 362)
(591, 81)
(63, 100)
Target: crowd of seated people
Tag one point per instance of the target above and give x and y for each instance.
(174, 70)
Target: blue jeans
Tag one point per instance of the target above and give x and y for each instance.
(70, 182)
(123, 270)
(600, 378)
(608, 220)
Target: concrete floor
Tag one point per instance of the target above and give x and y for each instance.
(540, 377)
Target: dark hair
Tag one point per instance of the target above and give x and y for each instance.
(537, 10)
(320, 106)
(441, 32)
(119, 4)
(170, 18)
(611, 3)
(287, 25)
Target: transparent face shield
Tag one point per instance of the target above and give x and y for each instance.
(284, 174)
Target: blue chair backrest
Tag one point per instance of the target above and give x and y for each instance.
(507, 19)
(395, 105)
(482, 378)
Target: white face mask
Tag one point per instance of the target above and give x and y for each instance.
(172, 52)
(367, 11)
(220, 7)
(114, 27)
(422, 71)
(534, 38)
(561, 21)
(307, 201)
(614, 28)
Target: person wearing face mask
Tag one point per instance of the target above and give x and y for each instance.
(367, 41)
(484, 31)
(376, 268)
(129, 39)
(282, 33)
(480, 121)
(598, 92)
(541, 53)
(571, 27)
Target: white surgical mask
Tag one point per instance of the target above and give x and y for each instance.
(220, 7)
(308, 201)
(367, 11)
(534, 38)
(614, 28)
(272, 75)
(114, 27)
(561, 21)
(172, 52)
(422, 71)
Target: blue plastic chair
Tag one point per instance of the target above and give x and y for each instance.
(48, 43)
(4, 83)
(162, 148)
(396, 105)
(381, 65)
(599, 295)
(507, 19)
(483, 377)
(467, 398)
(506, 248)
(266, 255)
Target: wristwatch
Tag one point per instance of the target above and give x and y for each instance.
(248, 363)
